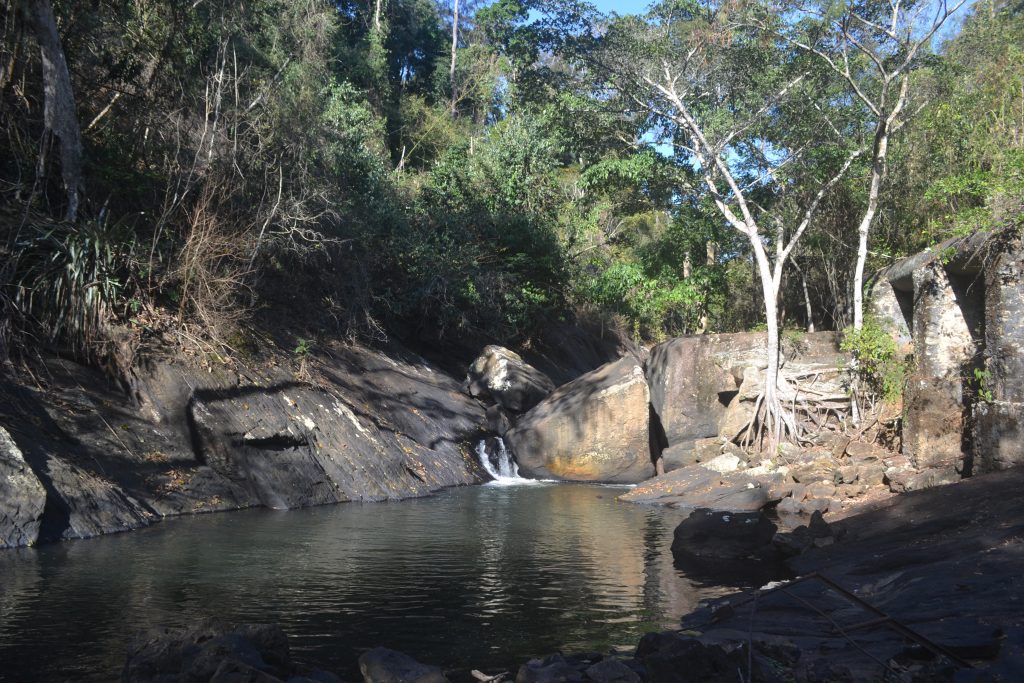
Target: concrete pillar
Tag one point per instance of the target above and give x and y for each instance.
(934, 402)
(999, 423)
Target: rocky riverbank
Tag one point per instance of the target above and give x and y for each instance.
(87, 455)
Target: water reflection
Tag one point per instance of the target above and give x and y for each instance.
(483, 576)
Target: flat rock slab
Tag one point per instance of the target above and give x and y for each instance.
(696, 487)
(945, 562)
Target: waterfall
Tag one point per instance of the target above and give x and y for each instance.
(499, 463)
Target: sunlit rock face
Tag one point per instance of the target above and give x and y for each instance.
(594, 428)
(504, 377)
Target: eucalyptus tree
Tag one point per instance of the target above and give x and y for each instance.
(874, 46)
(754, 122)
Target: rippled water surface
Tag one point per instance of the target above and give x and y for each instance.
(472, 578)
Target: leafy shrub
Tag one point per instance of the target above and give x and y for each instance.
(878, 366)
(66, 279)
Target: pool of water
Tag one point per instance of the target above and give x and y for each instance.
(477, 577)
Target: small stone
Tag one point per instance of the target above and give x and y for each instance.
(723, 464)
(788, 506)
(871, 474)
(821, 489)
(847, 474)
(851, 490)
(858, 450)
(813, 505)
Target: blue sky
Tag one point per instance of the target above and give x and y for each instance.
(622, 6)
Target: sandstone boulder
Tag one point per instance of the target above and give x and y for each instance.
(22, 496)
(692, 383)
(594, 428)
(504, 377)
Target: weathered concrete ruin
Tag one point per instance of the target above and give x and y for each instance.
(960, 305)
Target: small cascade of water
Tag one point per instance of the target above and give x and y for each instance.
(498, 462)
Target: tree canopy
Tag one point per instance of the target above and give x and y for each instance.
(392, 167)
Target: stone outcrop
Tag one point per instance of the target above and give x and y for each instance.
(504, 377)
(22, 497)
(594, 428)
(368, 426)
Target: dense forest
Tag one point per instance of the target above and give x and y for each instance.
(441, 170)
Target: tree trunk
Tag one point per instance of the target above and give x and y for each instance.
(59, 114)
(772, 408)
(376, 14)
(455, 45)
(807, 303)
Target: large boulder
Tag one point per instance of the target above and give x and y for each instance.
(22, 496)
(503, 376)
(373, 425)
(594, 428)
(692, 382)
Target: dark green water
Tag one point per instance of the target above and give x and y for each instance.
(478, 577)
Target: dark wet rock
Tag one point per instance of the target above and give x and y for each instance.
(504, 377)
(710, 535)
(211, 653)
(22, 497)
(498, 421)
(698, 487)
(611, 671)
(816, 534)
(381, 665)
(553, 669)
(675, 658)
(373, 426)
(593, 429)
(315, 677)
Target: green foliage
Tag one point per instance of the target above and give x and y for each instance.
(67, 278)
(877, 363)
(303, 348)
(980, 385)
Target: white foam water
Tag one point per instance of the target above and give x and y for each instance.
(501, 466)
